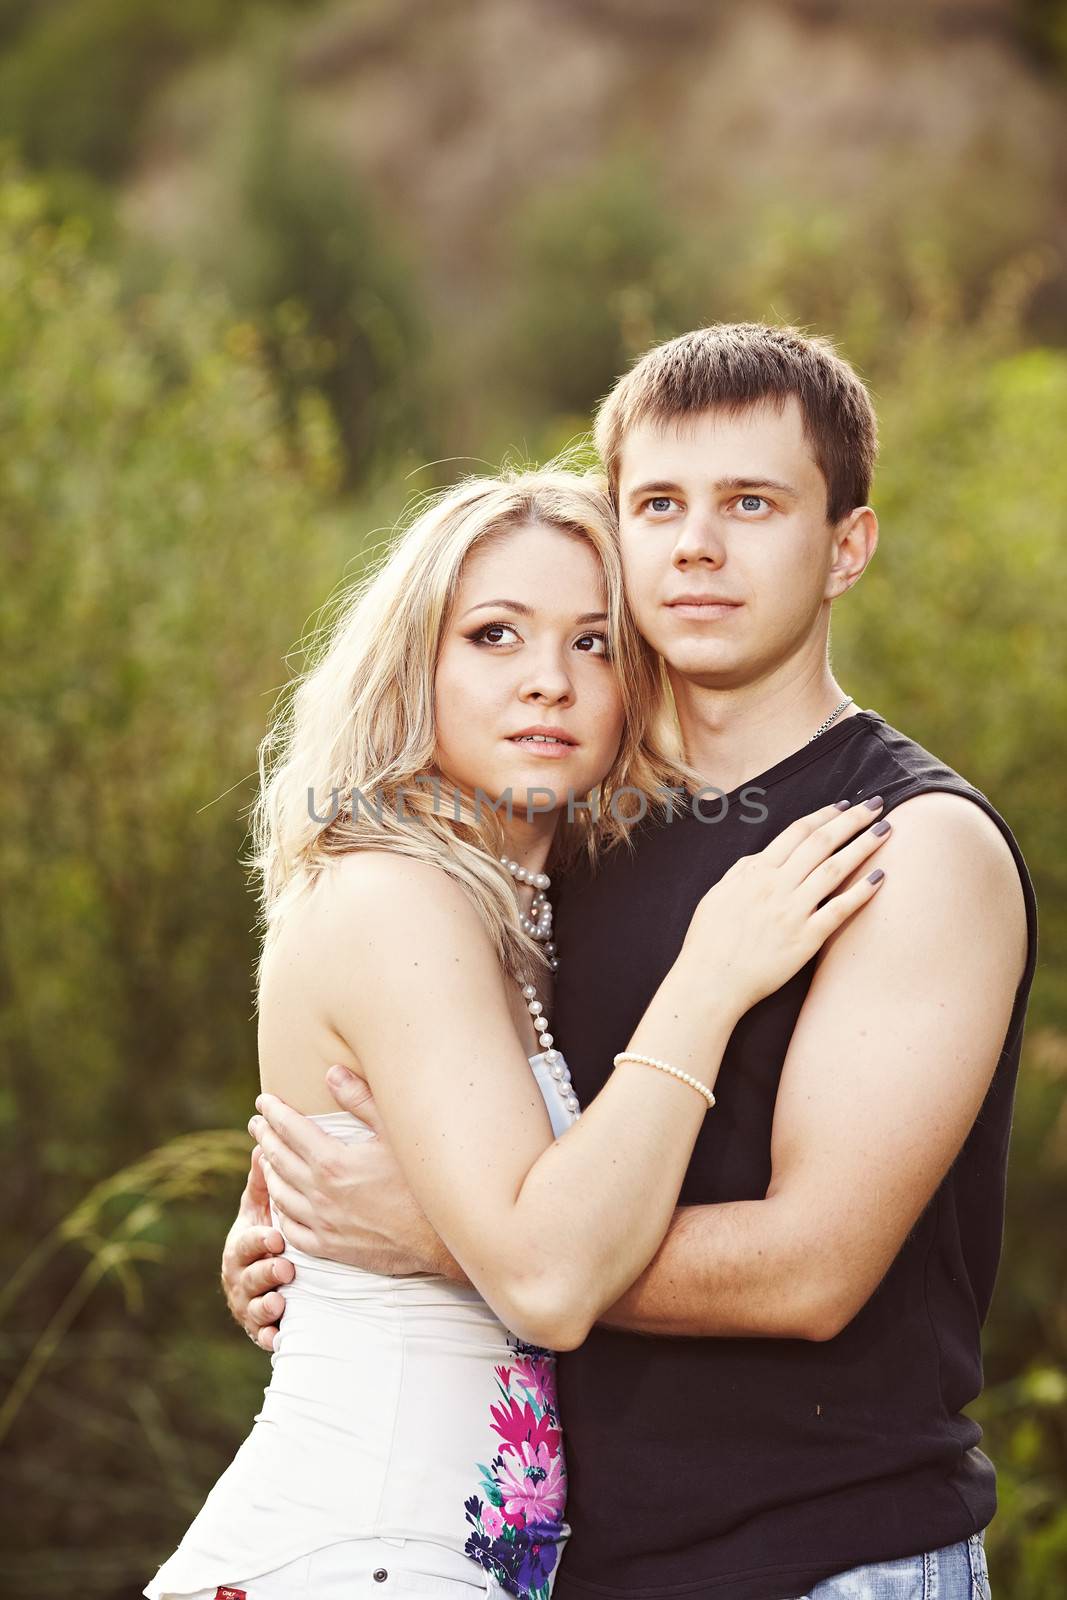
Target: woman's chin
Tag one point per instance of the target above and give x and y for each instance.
(531, 784)
(531, 789)
(551, 784)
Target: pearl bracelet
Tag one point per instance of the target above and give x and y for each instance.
(665, 1066)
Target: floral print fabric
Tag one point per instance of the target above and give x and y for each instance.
(518, 1516)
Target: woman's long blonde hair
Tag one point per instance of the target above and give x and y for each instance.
(356, 730)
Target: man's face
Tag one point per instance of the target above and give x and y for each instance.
(728, 512)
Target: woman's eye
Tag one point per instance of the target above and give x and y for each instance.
(599, 642)
(485, 635)
(660, 503)
(751, 502)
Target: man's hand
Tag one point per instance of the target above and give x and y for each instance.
(346, 1202)
(252, 1265)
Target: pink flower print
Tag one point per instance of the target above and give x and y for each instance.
(513, 1421)
(519, 1424)
(540, 1378)
(492, 1521)
(532, 1483)
(503, 1376)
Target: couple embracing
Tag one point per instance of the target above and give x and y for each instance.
(639, 1026)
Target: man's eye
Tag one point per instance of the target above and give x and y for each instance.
(751, 502)
(660, 502)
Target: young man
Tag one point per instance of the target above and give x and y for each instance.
(775, 1408)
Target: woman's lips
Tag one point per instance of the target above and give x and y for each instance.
(553, 749)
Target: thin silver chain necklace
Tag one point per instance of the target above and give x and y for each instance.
(847, 701)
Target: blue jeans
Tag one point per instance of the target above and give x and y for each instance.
(958, 1572)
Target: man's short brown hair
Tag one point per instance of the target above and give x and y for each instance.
(733, 365)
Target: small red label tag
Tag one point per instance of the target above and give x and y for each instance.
(230, 1594)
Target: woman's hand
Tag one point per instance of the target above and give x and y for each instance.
(766, 917)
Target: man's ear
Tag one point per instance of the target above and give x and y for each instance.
(855, 539)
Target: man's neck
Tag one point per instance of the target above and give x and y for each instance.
(732, 736)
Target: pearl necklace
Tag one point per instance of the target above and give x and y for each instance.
(539, 922)
(539, 926)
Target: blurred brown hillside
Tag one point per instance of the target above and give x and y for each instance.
(458, 109)
(936, 121)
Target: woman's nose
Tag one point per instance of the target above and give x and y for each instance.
(547, 680)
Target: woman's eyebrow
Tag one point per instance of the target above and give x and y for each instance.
(509, 605)
(525, 611)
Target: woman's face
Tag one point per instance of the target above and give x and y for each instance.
(525, 652)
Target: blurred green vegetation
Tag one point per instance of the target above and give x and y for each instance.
(76, 78)
(311, 243)
(1043, 27)
(148, 491)
(195, 454)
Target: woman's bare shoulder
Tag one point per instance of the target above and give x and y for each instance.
(381, 875)
(372, 894)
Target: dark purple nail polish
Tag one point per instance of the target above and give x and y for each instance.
(876, 876)
(842, 805)
(882, 827)
(875, 803)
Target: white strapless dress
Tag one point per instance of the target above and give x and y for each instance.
(397, 1407)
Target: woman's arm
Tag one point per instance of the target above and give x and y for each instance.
(552, 1232)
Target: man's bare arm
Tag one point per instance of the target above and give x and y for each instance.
(892, 1055)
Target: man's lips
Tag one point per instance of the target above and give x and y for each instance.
(703, 605)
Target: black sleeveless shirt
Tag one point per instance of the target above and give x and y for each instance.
(750, 1469)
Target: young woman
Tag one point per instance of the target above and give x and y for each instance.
(438, 757)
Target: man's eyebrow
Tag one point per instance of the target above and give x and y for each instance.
(753, 481)
(525, 611)
(660, 486)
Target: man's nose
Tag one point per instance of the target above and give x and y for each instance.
(699, 539)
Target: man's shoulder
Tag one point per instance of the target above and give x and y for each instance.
(873, 757)
(906, 770)
(900, 762)
(948, 825)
